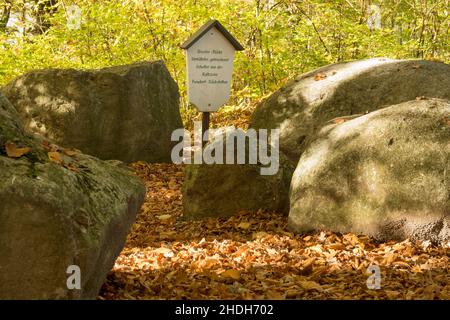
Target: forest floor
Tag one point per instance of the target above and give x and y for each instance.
(255, 256)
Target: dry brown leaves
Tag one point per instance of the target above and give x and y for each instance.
(13, 151)
(320, 76)
(238, 117)
(61, 156)
(254, 256)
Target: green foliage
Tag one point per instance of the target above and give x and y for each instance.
(282, 38)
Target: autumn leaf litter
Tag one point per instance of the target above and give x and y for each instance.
(255, 256)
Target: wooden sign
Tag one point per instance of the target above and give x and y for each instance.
(209, 62)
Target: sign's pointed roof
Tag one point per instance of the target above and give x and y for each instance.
(205, 28)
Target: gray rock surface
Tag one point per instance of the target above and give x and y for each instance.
(126, 113)
(222, 190)
(74, 210)
(305, 104)
(385, 174)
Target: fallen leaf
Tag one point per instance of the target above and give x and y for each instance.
(274, 295)
(401, 264)
(259, 234)
(71, 167)
(70, 152)
(310, 285)
(336, 246)
(392, 294)
(410, 295)
(352, 238)
(54, 156)
(13, 152)
(208, 263)
(163, 251)
(338, 120)
(320, 76)
(47, 145)
(291, 294)
(307, 266)
(244, 225)
(169, 235)
(231, 273)
(389, 258)
(416, 269)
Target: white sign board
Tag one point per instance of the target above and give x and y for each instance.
(209, 71)
(209, 62)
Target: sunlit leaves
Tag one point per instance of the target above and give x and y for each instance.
(255, 256)
(281, 38)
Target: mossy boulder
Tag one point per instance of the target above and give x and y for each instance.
(385, 174)
(11, 127)
(304, 105)
(58, 208)
(126, 113)
(222, 190)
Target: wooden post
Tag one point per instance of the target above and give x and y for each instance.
(205, 126)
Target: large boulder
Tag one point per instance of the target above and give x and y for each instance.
(385, 174)
(222, 190)
(10, 127)
(126, 113)
(58, 208)
(305, 104)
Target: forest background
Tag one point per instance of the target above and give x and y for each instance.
(281, 38)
